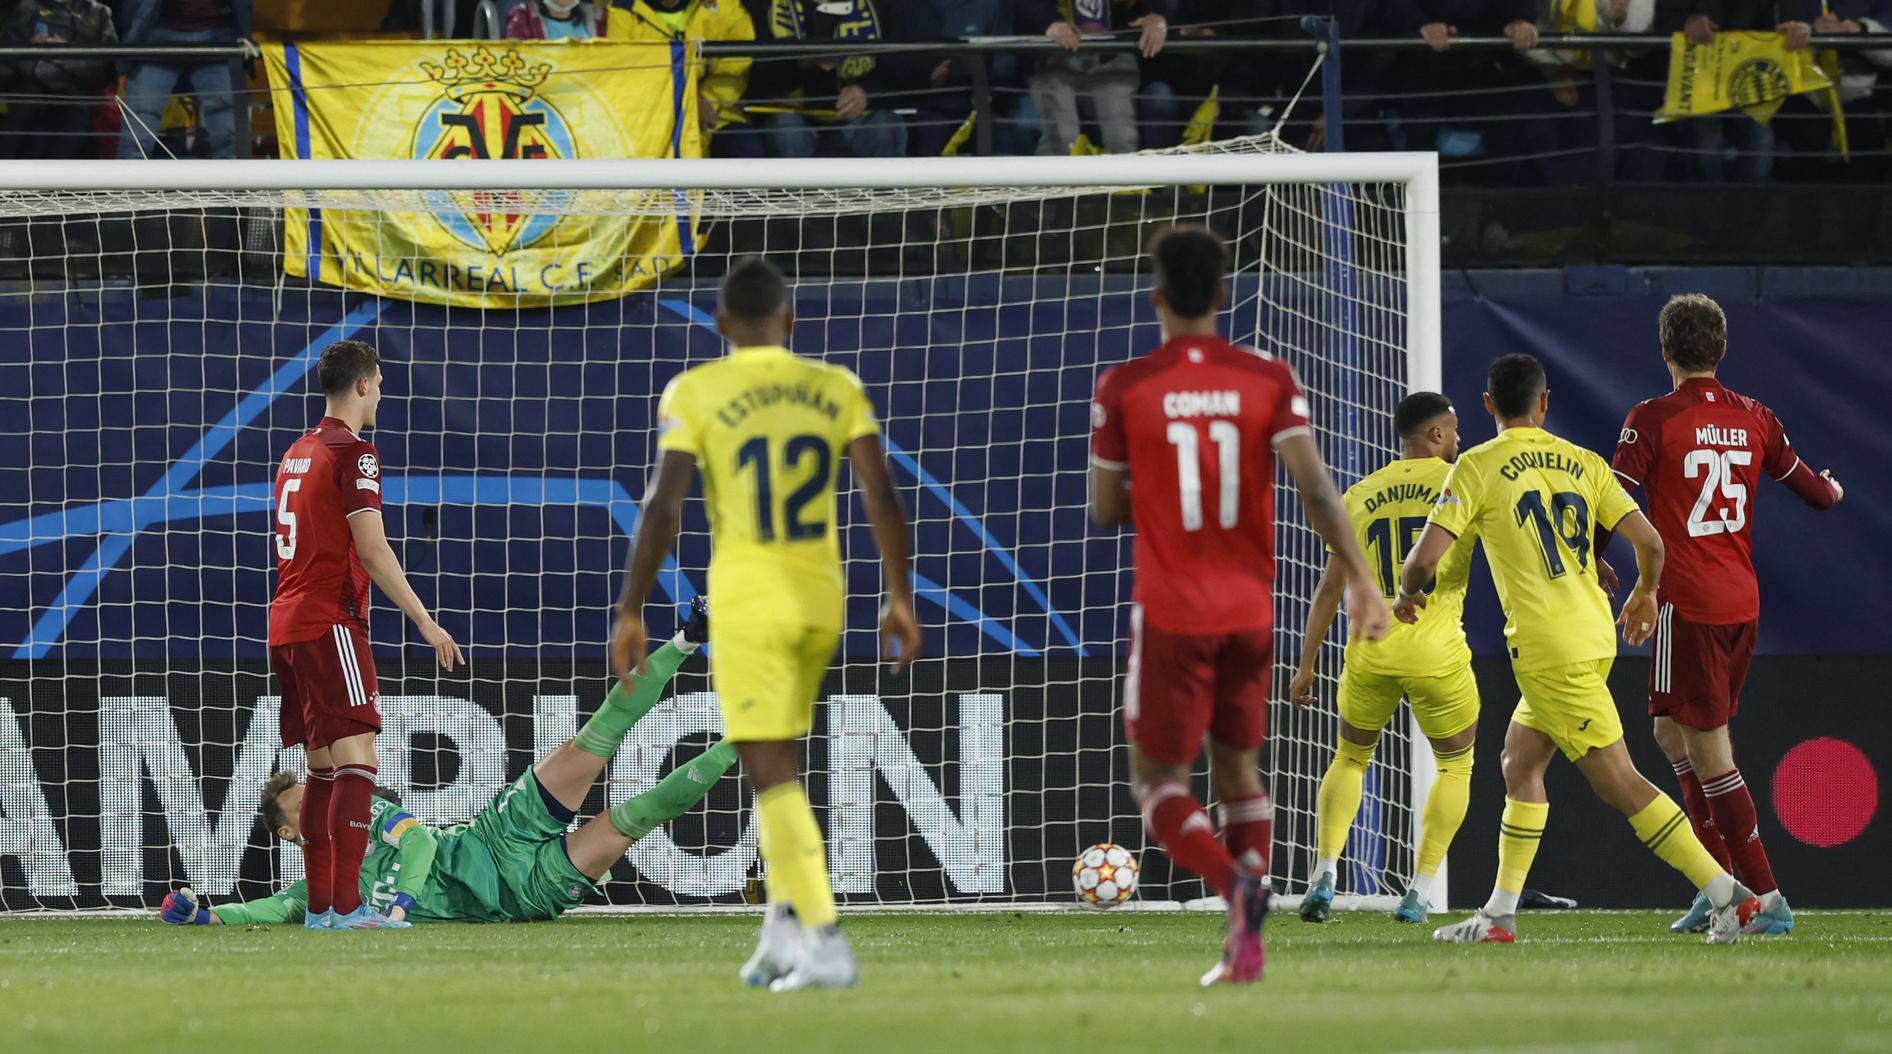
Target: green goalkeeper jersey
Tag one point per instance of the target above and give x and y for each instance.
(441, 869)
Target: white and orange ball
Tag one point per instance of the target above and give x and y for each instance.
(1105, 875)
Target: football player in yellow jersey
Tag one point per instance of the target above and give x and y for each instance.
(767, 429)
(1535, 501)
(1428, 664)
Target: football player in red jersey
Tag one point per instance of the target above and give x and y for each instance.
(1197, 424)
(1698, 453)
(329, 544)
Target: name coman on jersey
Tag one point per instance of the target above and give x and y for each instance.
(1195, 422)
(325, 477)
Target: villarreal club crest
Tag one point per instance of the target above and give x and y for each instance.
(489, 107)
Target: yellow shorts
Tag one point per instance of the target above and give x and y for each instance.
(767, 676)
(1443, 706)
(1571, 704)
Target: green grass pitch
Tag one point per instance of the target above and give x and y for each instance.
(965, 983)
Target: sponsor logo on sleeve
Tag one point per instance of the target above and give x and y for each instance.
(368, 465)
(368, 484)
(1628, 438)
(1446, 497)
(1299, 405)
(1099, 415)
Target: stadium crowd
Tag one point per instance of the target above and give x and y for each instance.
(1528, 115)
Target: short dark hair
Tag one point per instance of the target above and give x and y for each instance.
(1417, 410)
(1190, 260)
(345, 362)
(274, 815)
(753, 290)
(1694, 331)
(1514, 382)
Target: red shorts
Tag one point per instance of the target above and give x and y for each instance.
(1183, 685)
(329, 689)
(1697, 672)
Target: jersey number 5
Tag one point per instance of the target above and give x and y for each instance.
(1379, 538)
(755, 455)
(1228, 445)
(286, 542)
(1716, 467)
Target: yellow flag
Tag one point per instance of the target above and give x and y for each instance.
(1576, 16)
(960, 136)
(487, 99)
(1201, 126)
(1750, 72)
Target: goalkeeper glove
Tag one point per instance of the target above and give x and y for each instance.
(402, 901)
(182, 908)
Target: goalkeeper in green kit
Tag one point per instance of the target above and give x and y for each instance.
(515, 862)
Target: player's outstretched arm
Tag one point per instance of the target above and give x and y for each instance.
(1638, 616)
(377, 556)
(182, 907)
(1328, 516)
(900, 638)
(1320, 618)
(658, 522)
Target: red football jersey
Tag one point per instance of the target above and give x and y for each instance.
(326, 477)
(1698, 454)
(1195, 423)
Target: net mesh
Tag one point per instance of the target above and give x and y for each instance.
(156, 364)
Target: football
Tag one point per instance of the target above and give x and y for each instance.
(1105, 875)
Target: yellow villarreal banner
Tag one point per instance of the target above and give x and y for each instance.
(1750, 72)
(487, 99)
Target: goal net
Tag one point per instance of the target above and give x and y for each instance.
(157, 361)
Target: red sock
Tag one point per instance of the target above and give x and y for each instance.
(1734, 814)
(1700, 815)
(1176, 820)
(348, 818)
(318, 848)
(1248, 831)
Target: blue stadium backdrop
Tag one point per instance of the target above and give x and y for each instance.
(138, 436)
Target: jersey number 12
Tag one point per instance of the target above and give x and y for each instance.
(1228, 446)
(754, 455)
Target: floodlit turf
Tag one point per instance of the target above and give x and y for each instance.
(964, 983)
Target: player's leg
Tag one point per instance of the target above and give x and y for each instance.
(602, 842)
(767, 678)
(1527, 754)
(1446, 710)
(1168, 699)
(317, 848)
(1668, 736)
(1366, 703)
(347, 727)
(1724, 653)
(569, 772)
(1237, 728)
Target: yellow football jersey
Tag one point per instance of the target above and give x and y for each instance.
(1389, 510)
(768, 429)
(1535, 501)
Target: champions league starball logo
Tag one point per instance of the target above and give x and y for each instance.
(489, 107)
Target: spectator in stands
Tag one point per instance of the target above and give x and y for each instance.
(1253, 89)
(1735, 137)
(848, 99)
(723, 79)
(54, 127)
(940, 113)
(150, 82)
(1567, 71)
(1805, 126)
(553, 20)
(1455, 110)
(1108, 80)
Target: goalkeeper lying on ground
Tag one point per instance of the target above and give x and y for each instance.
(514, 862)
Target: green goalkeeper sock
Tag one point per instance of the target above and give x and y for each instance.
(673, 796)
(621, 709)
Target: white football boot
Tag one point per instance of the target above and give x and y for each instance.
(776, 952)
(826, 961)
(1479, 929)
(1725, 923)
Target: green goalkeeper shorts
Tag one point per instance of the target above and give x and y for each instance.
(536, 879)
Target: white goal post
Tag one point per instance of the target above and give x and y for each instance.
(978, 296)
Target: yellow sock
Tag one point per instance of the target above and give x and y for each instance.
(1451, 794)
(771, 883)
(1339, 800)
(1664, 828)
(1520, 829)
(798, 859)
